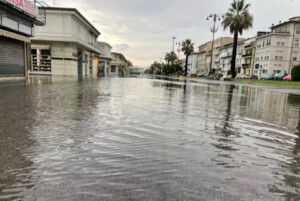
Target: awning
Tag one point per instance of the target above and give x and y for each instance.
(40, 46)
(14, 36)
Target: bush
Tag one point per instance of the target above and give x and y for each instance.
(296, 73)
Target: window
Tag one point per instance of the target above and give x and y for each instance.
(276, 58)
(280, 58)
(298, 29)
(278, 43)
(282, 43)
(296, 44)
(294, 58)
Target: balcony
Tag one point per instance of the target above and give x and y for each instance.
(246, 65)
(249, 46)
(247, 54)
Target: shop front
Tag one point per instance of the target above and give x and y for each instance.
(17, 19)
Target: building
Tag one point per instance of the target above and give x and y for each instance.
(193, 68)
(278, 51)
(105, 58)
(136, 71)
(17, 19)
(226, 55)
(205, 54)
(203, 58)
(119, 65)
(66, 45)
(248, 56)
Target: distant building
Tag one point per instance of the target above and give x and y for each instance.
(66, 45)
(205, 54)
(278, 51)
(17, 23)
(226, 55)
(119, 65)
(203, 57)
(136, 71)
(193, 64)
(248, 56)
(105, 58)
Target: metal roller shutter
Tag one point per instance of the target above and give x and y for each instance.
(12, 61)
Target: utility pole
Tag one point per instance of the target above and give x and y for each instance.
(173, 42)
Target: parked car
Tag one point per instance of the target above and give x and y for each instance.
(240, 76)
(279, 76)
(287, 78)
(267, 77)
(254, 77)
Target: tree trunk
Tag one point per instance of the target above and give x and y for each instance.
(186, 65)
(233, 57)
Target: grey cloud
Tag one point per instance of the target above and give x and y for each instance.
(147, 26)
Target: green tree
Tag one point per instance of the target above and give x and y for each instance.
(188, 48)
(170, 57)
(237, 19)
(296, 73)
(156, 68)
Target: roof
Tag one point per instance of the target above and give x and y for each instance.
(120, 54)
(72, 10)
(291, 20)
(105, 43)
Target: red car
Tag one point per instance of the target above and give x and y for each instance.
(287, 78)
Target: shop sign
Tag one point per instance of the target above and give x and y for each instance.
(25, 5)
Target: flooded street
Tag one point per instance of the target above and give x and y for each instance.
(145, 139)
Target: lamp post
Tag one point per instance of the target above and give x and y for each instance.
(173, 42)
(213, 30)
(178, 50)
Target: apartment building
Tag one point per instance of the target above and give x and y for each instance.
(17, 20)
(206, 55)
(66, 45)
(279, 50)
(193, 68)
(225, 57)
(248, 56)
(203, 59)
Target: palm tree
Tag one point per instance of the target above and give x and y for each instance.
(188, 48)
(236, 20)
(170, 57)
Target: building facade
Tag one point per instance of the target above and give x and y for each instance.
(105, 58)
(203, 57)
(17, 19)
(66, 45)
(119, 65)
(193, 67)
(225, 58)
(248, 56)
(279, 50)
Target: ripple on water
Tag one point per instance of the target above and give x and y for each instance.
(138, 139)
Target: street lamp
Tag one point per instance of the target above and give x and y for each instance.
(173, 42)
(178, 50)
(213, 30)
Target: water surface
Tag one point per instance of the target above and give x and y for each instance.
(147, 139)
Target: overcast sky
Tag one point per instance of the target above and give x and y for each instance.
(143, 29)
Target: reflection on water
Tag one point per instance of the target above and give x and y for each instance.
(139, 139)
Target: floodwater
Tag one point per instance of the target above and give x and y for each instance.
(124, 139)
